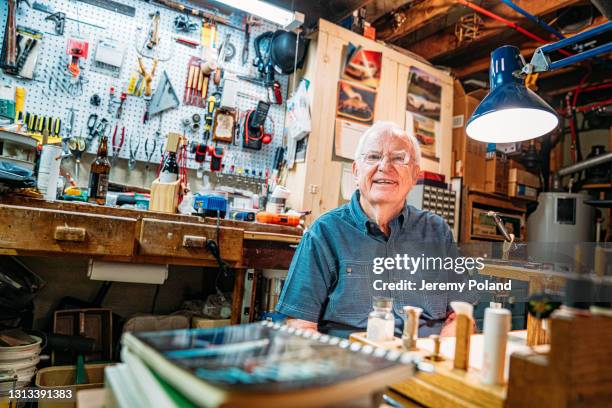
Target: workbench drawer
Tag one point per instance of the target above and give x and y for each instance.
(45, 230)
(188, 240)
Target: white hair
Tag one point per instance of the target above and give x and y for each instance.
(389, 128)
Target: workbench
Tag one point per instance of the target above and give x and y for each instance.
(33, 227)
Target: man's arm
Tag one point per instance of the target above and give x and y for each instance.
(302, 324)
(308, 281)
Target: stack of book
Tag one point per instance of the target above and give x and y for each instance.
(249, 365)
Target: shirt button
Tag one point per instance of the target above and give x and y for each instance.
(349, 270)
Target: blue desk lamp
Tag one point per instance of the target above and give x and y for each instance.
(513, 113)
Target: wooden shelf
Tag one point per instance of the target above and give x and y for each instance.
(18, 138)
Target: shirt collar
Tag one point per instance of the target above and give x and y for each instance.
(362, 219)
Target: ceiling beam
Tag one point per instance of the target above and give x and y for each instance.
(377, 8)
(445, 43)
(415, 18)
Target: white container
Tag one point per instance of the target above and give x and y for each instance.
(496, 328)
(49, 170)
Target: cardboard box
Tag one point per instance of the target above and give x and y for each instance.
(523, 177)
(496, 175)
(469, 154)
(522, 191)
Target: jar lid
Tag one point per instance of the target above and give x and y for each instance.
(382, 302)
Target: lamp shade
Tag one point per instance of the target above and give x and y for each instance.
(510, 112)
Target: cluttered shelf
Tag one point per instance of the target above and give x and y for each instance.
(130, 235)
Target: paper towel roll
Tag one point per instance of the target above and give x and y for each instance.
(127, 272)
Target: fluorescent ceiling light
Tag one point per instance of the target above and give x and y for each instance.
(267, 11)
(510, 112)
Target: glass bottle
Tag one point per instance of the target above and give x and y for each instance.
(98, 177)
(170, 170)
(381, 323)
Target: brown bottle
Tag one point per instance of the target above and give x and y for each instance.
(98, 178)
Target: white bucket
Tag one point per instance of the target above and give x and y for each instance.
(25, 352)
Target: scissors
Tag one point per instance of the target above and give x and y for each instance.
(77, 145)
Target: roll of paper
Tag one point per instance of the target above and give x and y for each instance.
(127, 272)
(496, 328)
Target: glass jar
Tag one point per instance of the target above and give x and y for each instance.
(381, 323)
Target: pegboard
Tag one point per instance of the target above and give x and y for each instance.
(131, 32)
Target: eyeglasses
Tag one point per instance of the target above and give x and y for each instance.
(399, 158)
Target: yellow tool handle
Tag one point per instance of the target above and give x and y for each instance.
(20, 94)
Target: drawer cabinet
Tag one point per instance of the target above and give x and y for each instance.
(45, 230)
(187, 240)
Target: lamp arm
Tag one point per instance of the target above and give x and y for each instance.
(540, 62)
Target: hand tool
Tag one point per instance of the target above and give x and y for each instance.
(77, 146)
(164, 97)
(133, 153)
(49, 10)
(186, 41)
(188, 84)
(97, 128)
(149, 154)
(120, 108)
(184, 24)
(196, 84)
(148, 76)
(10, 34)
(23, 56)
(117, 147)
(59, 19)
(153, 38)
(216, 157)
(247, 40)
(112, 6)
(95, 100)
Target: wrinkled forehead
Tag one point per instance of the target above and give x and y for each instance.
(384, 142)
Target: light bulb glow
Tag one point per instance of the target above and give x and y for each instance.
(262, 9)
(511, 125)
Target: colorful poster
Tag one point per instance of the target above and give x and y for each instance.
(426, 130)
(355, 102)
(362, 66)
(423, 103)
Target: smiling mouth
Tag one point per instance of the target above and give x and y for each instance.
(384, 182)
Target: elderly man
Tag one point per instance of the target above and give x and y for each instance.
(330, 283)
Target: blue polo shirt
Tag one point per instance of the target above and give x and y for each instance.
(331, 279)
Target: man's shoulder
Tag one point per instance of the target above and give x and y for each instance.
(332, 221)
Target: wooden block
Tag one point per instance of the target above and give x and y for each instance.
(463, 332)
(173, 142)
(164, 196)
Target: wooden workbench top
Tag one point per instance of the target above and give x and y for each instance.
(37, 227)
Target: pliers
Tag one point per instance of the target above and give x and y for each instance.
(117, 147)
(133, 153)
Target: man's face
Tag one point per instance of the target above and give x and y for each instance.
(385, 182)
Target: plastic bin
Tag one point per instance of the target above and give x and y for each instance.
(62, 376)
